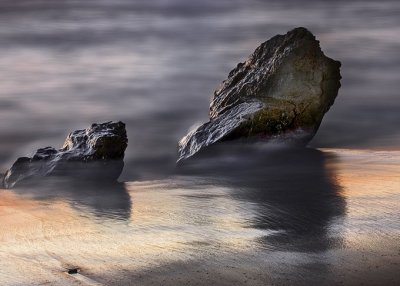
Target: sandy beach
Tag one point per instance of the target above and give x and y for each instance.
(335, 223)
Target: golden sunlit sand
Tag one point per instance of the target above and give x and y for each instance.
(188, 230)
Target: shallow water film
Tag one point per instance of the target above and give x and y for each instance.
(325, 217)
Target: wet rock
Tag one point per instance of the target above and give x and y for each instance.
(281, 92)
(93, 153)
(74, 270)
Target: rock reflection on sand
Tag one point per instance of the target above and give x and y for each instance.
(325, 217)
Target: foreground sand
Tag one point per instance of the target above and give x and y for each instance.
(332, 223)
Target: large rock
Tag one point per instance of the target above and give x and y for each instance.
(281, 92)
(93, 153)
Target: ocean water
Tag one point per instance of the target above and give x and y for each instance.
(155, 64)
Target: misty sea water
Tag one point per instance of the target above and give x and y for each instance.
(155, 64)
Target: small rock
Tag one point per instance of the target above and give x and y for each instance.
(93, 153)
(73, 270)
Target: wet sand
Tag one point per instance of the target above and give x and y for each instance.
(321, 217)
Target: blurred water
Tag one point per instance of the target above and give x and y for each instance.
(301, 218)
(154, 65)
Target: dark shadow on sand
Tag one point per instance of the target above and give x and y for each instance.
(102, 199)
(293, 191)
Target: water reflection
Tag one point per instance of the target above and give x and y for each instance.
(102, 199)
(293, 192)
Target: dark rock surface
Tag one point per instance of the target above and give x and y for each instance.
(93, 153)
(281, 92)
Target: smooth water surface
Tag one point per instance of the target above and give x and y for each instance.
(303, 218)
